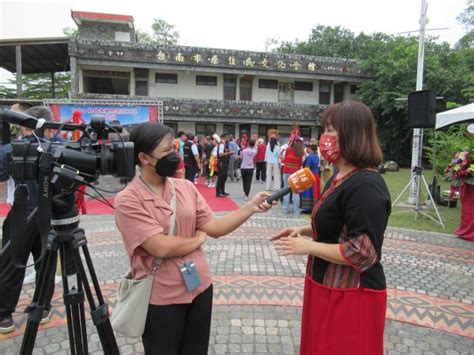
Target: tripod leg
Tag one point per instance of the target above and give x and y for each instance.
(403, 191)
(47, 270)
(433, 202)
(99, 313)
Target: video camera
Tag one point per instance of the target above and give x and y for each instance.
(83, 160)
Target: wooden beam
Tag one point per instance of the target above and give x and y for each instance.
(19, 80)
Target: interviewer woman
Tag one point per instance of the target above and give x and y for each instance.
(179, 315)
(344, 296)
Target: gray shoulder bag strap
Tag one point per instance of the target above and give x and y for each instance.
(172, 228)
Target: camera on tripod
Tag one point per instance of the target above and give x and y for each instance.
(58, 170)
(87, 158)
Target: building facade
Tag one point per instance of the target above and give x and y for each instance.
(207, 90)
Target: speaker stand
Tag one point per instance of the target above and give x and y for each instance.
(418, 207)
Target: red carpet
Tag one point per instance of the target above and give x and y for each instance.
(95, 207)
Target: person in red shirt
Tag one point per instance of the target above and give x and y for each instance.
(293, 161)
(260, 161)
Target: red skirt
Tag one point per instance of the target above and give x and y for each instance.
(342, 321)
(466, 228)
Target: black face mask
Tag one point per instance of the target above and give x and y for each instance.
(166, 166)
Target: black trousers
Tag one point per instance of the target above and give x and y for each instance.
(190, 172)
(247, 175)
(11, 278)
(179, 328)
(261, 171)
(221, 179)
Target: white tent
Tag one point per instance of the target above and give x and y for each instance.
(457, 115)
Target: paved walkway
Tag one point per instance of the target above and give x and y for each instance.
(258, 294)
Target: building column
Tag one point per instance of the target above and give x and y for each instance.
(19, 70)
(53, 85)
(132, 83)
(74, 78)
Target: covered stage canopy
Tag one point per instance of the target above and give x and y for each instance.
(457, 115)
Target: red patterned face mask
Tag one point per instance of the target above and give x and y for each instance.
(329, 148)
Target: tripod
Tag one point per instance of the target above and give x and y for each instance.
(418, 170)
(66, 237)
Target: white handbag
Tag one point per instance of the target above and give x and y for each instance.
(133, 296)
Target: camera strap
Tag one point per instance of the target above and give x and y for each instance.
(18, 228)
(44, 198)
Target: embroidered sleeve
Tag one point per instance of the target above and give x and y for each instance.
(359, 252)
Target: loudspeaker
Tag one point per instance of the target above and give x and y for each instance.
(422, 109)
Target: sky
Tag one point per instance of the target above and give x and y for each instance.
(237, 24)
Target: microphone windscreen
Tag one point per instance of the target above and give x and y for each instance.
(302, 180)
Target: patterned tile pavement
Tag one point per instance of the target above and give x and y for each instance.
(258, 294)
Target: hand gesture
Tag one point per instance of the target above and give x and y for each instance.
(258, 203)
(294, 246)
(286, 233)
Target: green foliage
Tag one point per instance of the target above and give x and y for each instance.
(391, 61)
(70, 32)
(441, 147)
(163, 34)
(38, 86)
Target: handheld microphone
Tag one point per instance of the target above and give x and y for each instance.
(298, 182)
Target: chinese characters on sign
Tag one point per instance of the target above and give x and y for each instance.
(256, 61)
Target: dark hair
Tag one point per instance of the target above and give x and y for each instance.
(147, 136)
(180, 133)
(299, 148)
(356, 133)
(190, 136)
(273, 143)
(23, 106)
(40, 112)
(252, 143)
(225, 134)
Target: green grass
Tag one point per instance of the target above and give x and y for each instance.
(405, 218)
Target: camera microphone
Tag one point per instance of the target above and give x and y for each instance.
(21, 119)
(298, 182)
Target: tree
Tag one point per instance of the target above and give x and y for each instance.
(391, 62)
(38, 86)
(164, 33)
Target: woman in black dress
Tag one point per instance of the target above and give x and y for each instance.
(345, 296)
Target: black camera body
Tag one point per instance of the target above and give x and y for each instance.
(91, 160)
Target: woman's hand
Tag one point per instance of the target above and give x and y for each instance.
(294, 245)
(287, 233)
(202, 236)
(258, 204)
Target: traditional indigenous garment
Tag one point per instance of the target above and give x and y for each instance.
(309, 197)
(344, 305)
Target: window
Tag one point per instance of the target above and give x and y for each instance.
(267, 84)
(205, 129)
(324, 92)
(106, 82)
(165, 78)
(245, 89)
(303, 86)
(338, 93)
(229, 128)
(121, 36)
(230, 86)
(305, 133)
(141, 82)
(206, 80)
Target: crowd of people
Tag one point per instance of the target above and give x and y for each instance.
(222, 159)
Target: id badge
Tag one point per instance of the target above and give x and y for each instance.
(190, 276)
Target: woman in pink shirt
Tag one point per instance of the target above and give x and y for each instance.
(179, 315)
